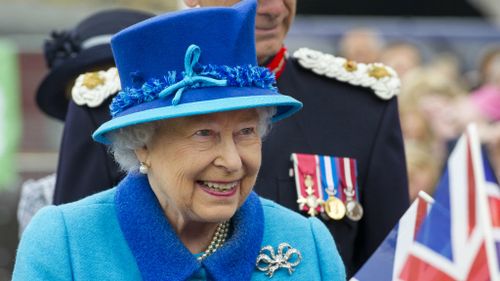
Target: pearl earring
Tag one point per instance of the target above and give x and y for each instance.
(143, 168)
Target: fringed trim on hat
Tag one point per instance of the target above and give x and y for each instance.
(238, 76)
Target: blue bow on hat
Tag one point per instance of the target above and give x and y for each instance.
(219, 71)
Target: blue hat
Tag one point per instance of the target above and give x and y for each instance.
(191, 62)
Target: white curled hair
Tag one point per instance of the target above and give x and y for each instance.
(124, 141)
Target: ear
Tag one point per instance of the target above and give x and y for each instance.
(142, 154)
(191, 3)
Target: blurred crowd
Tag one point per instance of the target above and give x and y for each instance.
(437, 100)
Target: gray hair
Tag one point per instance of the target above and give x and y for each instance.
(124, 141)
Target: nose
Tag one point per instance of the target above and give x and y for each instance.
(271, 8)
(228, 157)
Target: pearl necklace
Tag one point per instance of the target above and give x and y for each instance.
(217, 240)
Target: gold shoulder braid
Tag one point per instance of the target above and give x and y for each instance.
(92, 88)
(382, 79)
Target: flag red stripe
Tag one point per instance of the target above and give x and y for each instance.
(494, 203)
(416, 269)
(479, 270)
(471, 189)
(420, 217)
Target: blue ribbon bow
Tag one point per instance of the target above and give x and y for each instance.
(190, 77)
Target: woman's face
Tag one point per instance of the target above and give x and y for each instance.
(202, 168)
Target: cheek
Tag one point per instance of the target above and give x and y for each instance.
(252, 157)
(291, 6)
(172, 165)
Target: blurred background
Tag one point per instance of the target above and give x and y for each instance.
(447, 53)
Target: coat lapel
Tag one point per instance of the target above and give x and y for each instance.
(235, 260)
(151, 239)
(159, 253)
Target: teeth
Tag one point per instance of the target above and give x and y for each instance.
(220, 186)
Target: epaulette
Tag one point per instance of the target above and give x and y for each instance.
(92, 88)
(382, 79)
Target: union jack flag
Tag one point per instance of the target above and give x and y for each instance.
(456, 237)
(459, 239)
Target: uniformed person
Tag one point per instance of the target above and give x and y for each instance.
(350, 116)
(78, 90)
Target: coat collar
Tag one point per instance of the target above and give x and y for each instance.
(159, 253)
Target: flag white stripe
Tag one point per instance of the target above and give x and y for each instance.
(422, 252)
(458, 193)
(406, 230)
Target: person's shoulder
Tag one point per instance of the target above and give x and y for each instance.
(94, 205)
(274, 209)
(274, 212)
(97, 207)
(103, 198)
(380, 79)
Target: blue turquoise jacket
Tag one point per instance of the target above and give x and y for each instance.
(122, 234)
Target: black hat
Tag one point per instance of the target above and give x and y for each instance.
(85, 48)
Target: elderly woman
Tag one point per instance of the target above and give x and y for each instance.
(189, 134)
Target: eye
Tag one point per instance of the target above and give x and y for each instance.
(247, 131)
(204, 133)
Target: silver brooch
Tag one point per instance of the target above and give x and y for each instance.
(287, 257)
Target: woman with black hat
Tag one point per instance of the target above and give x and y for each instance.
(187, 127)
(78, 90)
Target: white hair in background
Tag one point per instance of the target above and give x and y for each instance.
(125, 140)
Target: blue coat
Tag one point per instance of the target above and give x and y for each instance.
(122, 234)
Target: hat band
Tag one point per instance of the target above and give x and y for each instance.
(103, 39)
(194, 76)
(190, 77)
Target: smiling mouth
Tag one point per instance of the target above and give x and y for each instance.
(218, 186)
(266, 29)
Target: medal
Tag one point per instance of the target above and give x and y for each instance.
(354, 210)
(309, 194)
(335, 208)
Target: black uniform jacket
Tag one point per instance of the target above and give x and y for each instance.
(85, 167)
(340, 120)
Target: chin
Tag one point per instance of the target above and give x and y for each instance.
(268, 48)
(218, 214)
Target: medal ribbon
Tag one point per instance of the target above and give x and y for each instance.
(348, 175)
(329, 176)
(307, 165)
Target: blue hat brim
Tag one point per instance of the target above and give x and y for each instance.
(154, 111)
